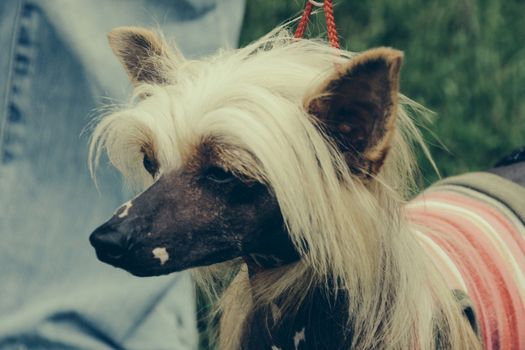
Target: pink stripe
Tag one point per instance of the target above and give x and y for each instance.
(440, 263)
(488, 212)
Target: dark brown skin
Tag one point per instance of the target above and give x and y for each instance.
(201, 214)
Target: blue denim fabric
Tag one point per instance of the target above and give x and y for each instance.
(55, 68)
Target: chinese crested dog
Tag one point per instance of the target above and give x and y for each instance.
(289, 163)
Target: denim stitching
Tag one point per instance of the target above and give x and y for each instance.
(9, 80)
(18, 67)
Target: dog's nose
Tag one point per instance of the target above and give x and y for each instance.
(109, 243)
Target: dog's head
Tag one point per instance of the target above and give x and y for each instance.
(241, 154)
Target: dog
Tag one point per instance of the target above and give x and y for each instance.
(289, 164)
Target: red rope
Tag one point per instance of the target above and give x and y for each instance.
(303, 23)
(330, 22)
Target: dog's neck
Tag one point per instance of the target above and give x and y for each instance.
(320, 321)
(277, 252)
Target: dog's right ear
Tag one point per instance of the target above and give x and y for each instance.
(357, 106)
(146, 57)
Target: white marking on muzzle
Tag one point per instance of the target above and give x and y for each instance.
(161, 254)
(126, 207)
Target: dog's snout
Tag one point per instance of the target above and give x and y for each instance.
(109, 243)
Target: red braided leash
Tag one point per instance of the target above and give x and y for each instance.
(329, 17)
(303, 23)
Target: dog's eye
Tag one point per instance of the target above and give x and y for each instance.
(150, 164)
(219, 175)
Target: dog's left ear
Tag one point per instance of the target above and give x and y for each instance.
(357, 108)
(146, 57)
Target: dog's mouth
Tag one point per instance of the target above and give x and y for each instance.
(120, 260)
(136, 267)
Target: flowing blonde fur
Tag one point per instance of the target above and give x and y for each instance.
(252, 100)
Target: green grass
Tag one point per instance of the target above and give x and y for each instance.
(465, 60)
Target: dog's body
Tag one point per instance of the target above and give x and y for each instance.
(293, 159)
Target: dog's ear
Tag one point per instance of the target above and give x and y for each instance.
(146, 57)
(357, 107)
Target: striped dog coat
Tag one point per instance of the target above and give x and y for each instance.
(472, 226)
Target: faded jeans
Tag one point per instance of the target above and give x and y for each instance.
(55, 69)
